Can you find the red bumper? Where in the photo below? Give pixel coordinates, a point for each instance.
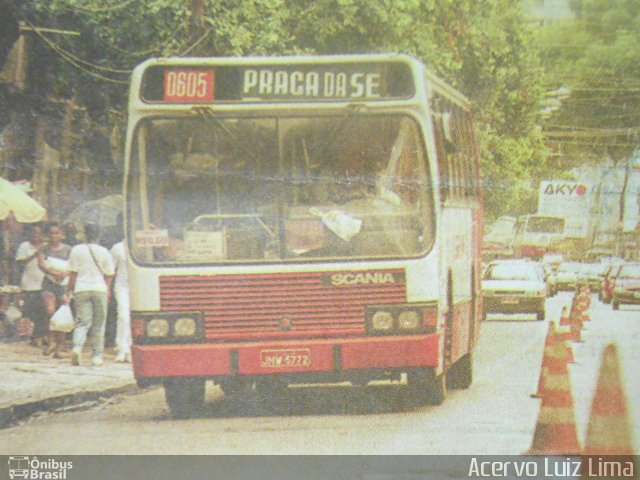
(330, 355)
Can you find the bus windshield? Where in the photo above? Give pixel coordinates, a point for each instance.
(545, 225)
(207, 189)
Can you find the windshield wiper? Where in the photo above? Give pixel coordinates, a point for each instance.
(207, 115)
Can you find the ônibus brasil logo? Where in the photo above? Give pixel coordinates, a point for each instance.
(33, 468)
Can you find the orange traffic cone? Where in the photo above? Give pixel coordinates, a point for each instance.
(548, 341)
(574, 305)
(576, 330)
(608, 431)
(587, 295)
(565, 336)
(565, 319)
(556, 432)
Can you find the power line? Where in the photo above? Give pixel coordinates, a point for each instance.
(569, 45)
(72, 61)
(595, 132)
(598, 89)
(599, 118)
(600, 100)
(614, 79)
(196, 43)
(594, 144)
(88, 64)
(66, 53)
(113, 8)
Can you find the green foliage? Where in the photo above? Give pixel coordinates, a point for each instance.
(485, 49)
(597, 56)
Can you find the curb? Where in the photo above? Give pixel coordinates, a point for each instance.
(12, 414)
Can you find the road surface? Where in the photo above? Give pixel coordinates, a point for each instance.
(495, 416)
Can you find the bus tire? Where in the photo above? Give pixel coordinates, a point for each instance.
(460, 375)
(236, 387)
(541, 314)
(615, 304)
(184, 396)
(427, 387)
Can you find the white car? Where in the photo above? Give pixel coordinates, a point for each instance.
(514, 286)
(567, 275)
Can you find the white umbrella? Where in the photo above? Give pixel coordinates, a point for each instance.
(14, 199)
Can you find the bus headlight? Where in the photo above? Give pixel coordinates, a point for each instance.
(409, 320)
(401, 319)
(157, 328)
(185, 327)
(167, 327)
(382, 321)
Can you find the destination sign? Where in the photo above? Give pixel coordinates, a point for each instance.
(277, 83)
(266, 83)
(188, 86)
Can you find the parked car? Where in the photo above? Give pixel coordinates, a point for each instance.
(567, 275)
(591, 274)
(626, 287)
(497, 242)
(514, 286)
(606, 292)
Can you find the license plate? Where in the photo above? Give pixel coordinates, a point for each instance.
(510, 301)
(299, 357)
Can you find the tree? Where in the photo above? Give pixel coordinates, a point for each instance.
(596, 56)
(485, 49)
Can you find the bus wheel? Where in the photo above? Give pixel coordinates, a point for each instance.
(236, 387)
(540, 314)
(427, 387)
(460, 375)
(184, 396)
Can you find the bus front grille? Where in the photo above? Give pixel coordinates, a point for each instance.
(286, 305)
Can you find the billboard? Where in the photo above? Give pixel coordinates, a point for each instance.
(571, 200)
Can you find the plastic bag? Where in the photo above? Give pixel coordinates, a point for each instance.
(62, 320)
(12, 314)
(58, 266)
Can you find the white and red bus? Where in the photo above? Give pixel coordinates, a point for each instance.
(301, 219)
(536, 235)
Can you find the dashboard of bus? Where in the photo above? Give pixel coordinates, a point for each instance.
(207, 189)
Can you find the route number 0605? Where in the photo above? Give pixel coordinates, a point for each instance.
(188, 85)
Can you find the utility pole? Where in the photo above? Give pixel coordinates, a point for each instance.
(196, 29)
(623, 194)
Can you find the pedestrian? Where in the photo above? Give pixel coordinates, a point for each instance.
(91, 273)
(54, 262)
(31, 281)
(121, 292)
(70, 234)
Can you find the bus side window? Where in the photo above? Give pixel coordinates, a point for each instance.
(444, 166)
(453, 151)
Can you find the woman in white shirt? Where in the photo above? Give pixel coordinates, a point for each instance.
(31, 281)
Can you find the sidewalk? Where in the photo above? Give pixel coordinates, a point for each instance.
(31, 382)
